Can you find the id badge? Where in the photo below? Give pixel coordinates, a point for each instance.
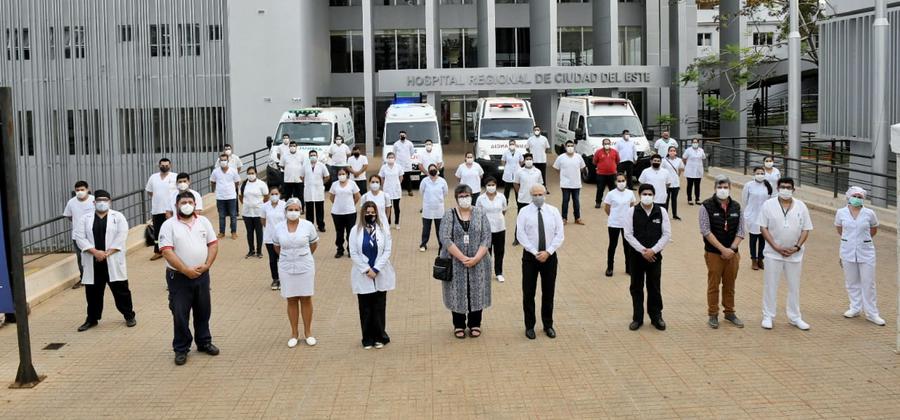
(466, 239)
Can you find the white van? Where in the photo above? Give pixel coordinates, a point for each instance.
(420, 123)
(587, 120)
(316, 128)
(497, 121)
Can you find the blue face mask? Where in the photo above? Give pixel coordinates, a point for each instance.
(313, 159)
(856, 201)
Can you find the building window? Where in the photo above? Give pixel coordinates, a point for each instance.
(18, 44)
(346, 52)
(457, 2)
(344, 2)
(763, 38)
(160, 41)
(459, 48)
(573, 1)
(130, 129)
(513, 46)
(704, 39)
(189, 39)
(399, 49)
(402, 2)
(512, 1)
(631, 46)
(51, 42)
(73, 41)
(84, 125)
(26, 133)
(215, 32)
(575, 46)
(125, 34)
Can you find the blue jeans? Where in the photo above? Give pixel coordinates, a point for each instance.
(227, 208)
(575, 193)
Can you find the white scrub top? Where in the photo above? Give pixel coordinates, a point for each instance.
(343, 197)
(526, 178)
(619, 202)
(511, 164)
(382, 201)
(753, 197)
(785, 228)
(569, 168)
(391, 177)
(494, 209)
(471, 176)
(658, 179)
(296, 265)
(433, 193)
(314, 182)
(293, 166)
(856, 236)
(673, 166)
(253, 195)
(694, 166)
(538, 146)
(274, 216)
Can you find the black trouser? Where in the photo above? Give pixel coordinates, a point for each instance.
(627, 168)
(78, 258)
(315, 213)
(475, 195)
(531, 268)
(693, 185)
(473, 318)
(372, 318)
(158, 220)
(575, 194)
(395, 204)
(614, 234)
(292, 189)
(187, 296)
(757, 246)
(519, 207)
(273, 260)
(543, 168)
(426, 231)
(406, 184)
(498, 249)
(342, 225)
(604, 182)
(363, 186)
(672, 199)
(94, 294)
(254, 234)
(649, 273)
(507, 187)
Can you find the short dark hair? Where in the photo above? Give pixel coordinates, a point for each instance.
(165, 160)
(226, 145)
(102, 194)
(527, 156)
(626, 132)
(183, 175)
(647, 187)
(313, 151)
(292, 143)
(460, 189)
(568, 142)
(489, 179)
(183, 195)
(656, 156)
(355, 147)
(253, 168)
(80, 184)
(274, 188)
(286, 135)
(786, 180)
(402, 132)
(222, 155)
(758, 168)
(429, 141)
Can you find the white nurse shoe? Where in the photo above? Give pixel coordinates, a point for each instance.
(311, 341)
(292, 343)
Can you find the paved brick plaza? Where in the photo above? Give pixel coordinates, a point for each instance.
(595, 368)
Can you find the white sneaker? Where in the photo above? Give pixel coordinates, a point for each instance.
(877, 320)
(500, 278)
(851, 313)
(379, 345)
(397, 227)
(800, 324)
(421, 249)
(767, 323)
(367, 347)
(292, 343)
(311, 341)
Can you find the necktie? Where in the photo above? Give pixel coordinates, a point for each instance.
(542, 237)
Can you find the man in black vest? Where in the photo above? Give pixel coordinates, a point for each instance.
(648, 231)
(722, 230)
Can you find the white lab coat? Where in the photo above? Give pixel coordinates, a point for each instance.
(314, 182)
(116, 235)
(856, 235)
(386, 279)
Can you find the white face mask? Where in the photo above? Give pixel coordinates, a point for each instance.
(429, 148)
(292, 149)
(621, 186)
(722, 193)
(469, 160)
(183, 186)
(695, 145)
(626, 137)
(646, 200)
(81, 194)
(606, 147)
(529, 163)
(512, 148)
(537, 133)
(342, 177)
(101, 206)
(274, 198)
(464, 202)
(759, 177)
(186, 209)
(391, 160)
(223, 163)
(491, 188)
(570, 149)
(286, 141)
(785, 193)
(228, 152)
(338, 142)
(375, 186)
(769, 164)
(293, 215)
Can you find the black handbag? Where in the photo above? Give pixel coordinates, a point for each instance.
(443, 266)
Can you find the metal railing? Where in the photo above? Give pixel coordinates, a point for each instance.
(834, 177)
(54, 235)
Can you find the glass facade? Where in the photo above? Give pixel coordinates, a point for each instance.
(459, 48)
(575, 46)
(513, 46)
(399, 49)
(631, 46)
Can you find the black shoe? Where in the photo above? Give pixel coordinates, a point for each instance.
(597, 206)
(77, 285)
(339, 254)
(249, 254)
(275, 285)
(209, 349)
(259, 255)
(609, 272)
(550, 332)
(690, 203)
(87, 325)
(634, 325)
(180, 358)
(130, 322)
(659, 324)
(676, 218)
(530, 334)
(321, 229)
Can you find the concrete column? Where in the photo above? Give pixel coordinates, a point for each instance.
(487, 37)
(433, 47)
(652, 52)
(368, 35)
(880, 128)
(605, 18)
(731, 32)
(682, 51)
(542, 17)
(794, 127)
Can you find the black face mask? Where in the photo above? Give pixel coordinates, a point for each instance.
(432, 172)
(370, 219)
(164, 169)
(355, 154)
(402, 137)
(655, 165)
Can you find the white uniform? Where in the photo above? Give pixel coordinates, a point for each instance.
(858, 258)
(433, 193)
(753, 197)
(386, 278)
(538, 146)
(493, 209)
(116, 235)
(343, 197)
(314, 182)
(293, 166)
(673, 166)
(296, 265)
(619, 202)
(693, 168)
(404, 151)
(77, 209)
(569, 168)
(198, 202)
(391, 177)
(338, 154)
(512, 161)
(161, 188)
(189, 240)
(225, 183)
(253, 195)
(274, 215)
(381, 200)
(356, 164)
(526, 178)
(785, 228)
(427, 158)
(659, 179)
(662, 146)
(773, 178)
(471, 176)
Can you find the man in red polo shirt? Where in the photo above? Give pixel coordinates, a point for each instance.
(606, 159)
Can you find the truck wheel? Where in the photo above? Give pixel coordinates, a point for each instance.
(591, 176)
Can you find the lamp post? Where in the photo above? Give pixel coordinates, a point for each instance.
(895, 147)
(794, 91)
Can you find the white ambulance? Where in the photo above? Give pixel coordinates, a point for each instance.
(420, 123)
(497, 121)
(316, 128)
(587, 120)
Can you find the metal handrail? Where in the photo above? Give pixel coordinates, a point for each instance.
(57, 241)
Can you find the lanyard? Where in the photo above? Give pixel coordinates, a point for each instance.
(785, 212)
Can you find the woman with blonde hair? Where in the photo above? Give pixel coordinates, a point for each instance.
(372, 274)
